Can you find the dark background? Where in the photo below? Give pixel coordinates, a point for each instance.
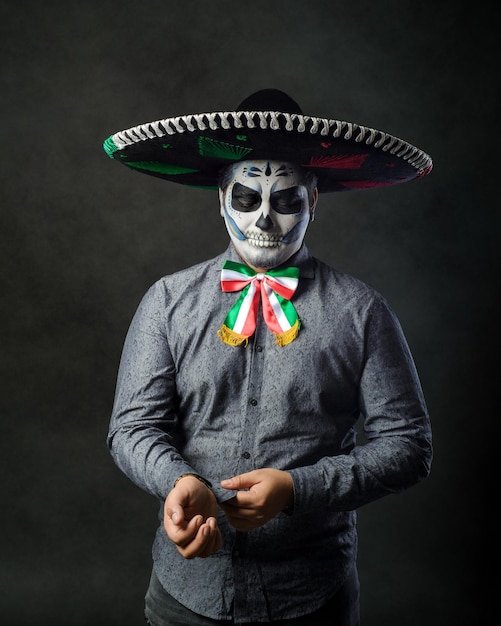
(83, 238)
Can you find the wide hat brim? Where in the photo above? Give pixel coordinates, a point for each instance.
(192, 149)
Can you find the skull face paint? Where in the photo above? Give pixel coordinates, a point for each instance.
(266, 210)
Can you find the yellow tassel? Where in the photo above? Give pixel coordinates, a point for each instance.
(231, 337)
(284, 338)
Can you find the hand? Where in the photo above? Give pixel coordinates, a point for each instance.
(262, 494)
(190, 512)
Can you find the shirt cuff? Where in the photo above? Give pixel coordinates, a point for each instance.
(309, 489)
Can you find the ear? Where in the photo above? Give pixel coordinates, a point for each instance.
(221, 202)
(313, 205)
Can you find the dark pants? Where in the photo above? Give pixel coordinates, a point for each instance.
(341, 610)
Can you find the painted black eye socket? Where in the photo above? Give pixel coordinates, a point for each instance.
(245, 199)
(288, 201)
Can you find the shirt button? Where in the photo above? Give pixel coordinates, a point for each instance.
(259, 348)
(246, 455)
(253, 401)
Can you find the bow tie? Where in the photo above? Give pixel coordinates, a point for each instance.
(274, 288)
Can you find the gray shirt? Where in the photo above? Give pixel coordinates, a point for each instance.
(187, 402)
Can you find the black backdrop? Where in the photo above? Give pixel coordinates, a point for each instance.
(82, 238)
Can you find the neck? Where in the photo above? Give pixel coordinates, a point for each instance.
(261, 269)
(254, 267)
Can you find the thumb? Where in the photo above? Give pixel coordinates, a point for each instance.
(241, 481)
(176, 513)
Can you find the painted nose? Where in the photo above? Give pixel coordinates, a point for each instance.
(264, 222)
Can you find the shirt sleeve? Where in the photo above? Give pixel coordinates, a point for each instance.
(398, 449)
(144, 421)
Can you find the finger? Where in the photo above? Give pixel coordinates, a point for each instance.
(245, 525)
(237, 516)
(214, 539)
(242, 500)
(183, 534)
(200, 545)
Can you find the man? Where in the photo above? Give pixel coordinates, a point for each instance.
(243, 378)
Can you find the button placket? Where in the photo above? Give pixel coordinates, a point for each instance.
(255, 375)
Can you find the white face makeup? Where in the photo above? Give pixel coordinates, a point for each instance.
(266, 210)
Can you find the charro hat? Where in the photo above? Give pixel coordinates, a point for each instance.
(192, 149)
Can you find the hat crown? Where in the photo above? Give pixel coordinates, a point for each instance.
(270, 100)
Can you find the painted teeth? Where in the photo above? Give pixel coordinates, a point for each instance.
(264, 241)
